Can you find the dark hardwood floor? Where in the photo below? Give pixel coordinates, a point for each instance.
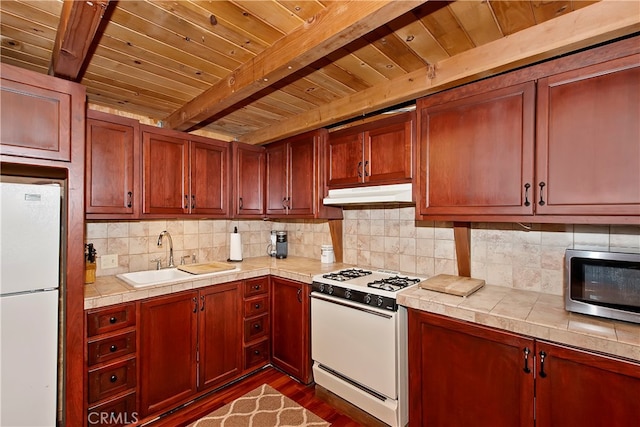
(323, 403)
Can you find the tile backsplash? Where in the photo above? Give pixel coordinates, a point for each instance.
(513, 255)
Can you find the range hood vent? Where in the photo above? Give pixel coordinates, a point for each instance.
(396, 193)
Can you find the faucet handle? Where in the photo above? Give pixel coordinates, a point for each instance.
(158, 262)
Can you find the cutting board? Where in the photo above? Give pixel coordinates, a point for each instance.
(206, 267)
(454, 285)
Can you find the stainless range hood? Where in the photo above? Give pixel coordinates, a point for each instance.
(395, 193)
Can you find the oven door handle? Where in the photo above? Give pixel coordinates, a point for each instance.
(351, 306)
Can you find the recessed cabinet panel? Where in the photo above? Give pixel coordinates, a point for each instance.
(249, 181)
(477, 153)
(589, 140)
(209, 178)
(345, 160)
(302, 181)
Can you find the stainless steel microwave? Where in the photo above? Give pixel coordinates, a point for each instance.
(605, 284)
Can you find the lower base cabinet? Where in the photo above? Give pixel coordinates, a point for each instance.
(290, 328)
(466, 374)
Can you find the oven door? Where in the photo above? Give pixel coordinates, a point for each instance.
(356, 341)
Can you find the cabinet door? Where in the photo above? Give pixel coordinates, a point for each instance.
(168, 343)
(276, 182)
(476, 153)
(588, 149)
(579, 388)
(220, 334)
(209, 178)
(302, 172)
(249, 181)
(345, 161)
(388, 157)
(165, 180)
(112, 168)
(58, 104)
(464, 374)
(290, 344)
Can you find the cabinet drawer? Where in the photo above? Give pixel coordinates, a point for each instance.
(256, 354)
(110, 319)
(112, 379)
(117, 412)
(111, 348)
(256, 327)
(258, 286)
(256, 306)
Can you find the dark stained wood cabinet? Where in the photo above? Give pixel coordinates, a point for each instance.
(184, 174)
(111, 363)
(376, 153)
(290, 328)
(295, 180)
(588, 140)
(190, 342)
(256, 322)
(464, 374)
(248, 181)
(112, 177)
(168, 344)
(476, 151)
(581, 388)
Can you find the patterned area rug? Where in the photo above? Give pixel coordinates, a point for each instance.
(262, 407)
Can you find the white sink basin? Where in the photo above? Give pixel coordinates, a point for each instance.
(140, 279)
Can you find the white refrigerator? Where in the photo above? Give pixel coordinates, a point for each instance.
(29, 315)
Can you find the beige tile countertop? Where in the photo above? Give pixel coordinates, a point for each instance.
(533, 314)
(108, 290)
(528, 313)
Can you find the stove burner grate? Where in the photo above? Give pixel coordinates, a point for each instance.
(348, 274)
(393, 283)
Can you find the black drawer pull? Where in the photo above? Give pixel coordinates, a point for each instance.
(257, 306)
(527, 186)
(113, 348)
(113, 378)
(256, 325)
(256, 352)
(257, 287)
(543, 374)
(113, 320)
(526, 360)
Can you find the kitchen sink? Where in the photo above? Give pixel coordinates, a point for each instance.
(140, 279)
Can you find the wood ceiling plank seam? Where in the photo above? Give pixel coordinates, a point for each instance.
(25, 58)
(513, 16)
(477, 19)
(138, 110)
(52, 8)
(35, 28)
(354, 66)
(35, 14)
(319, 78)
(289, 99)
(303, 9)
(184, 28)
(28, 49)
(447, 30)
(150, 68)
(279, 17)
(495, 18)
(269, 103)
(135, 77)
(373, 58)
(170, 54)
(135, 86)
(27, 65)
(221, 28)
(545, 10)
(423, 42)
(567, 33)
(304, 88)
(345, 77)
(240, 19)
(391, 45)
(316, 37)
(169, 38)
(10, 34)
(260, 116)
(106, 90)
(463, 30)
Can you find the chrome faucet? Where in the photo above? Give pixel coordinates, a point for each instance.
(166, 233)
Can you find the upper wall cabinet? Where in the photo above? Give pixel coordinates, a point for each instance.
(112, 177)
(295, 182)
(248, 181)
(556, 142)
(375, 153)
(59, 104)
(184, 174)
(588, 140)
(476, 151)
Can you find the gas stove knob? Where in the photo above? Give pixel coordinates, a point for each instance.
(321, 287)
(347, 293)
(379, 301)
(367, 298)
(330, 290)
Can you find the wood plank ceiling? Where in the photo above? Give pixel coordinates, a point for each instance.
(256, 71)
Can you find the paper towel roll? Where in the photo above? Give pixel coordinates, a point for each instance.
(235, 247)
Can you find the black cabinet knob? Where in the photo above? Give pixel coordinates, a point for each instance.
(113, 320)
(113, 348)
(113, 378)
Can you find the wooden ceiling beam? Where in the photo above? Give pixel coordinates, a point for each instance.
(582, 28)
(78, 27)
(337, 25)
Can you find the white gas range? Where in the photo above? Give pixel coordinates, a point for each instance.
(359, 339)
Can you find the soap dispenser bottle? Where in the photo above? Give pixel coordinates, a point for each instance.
(90, 263)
